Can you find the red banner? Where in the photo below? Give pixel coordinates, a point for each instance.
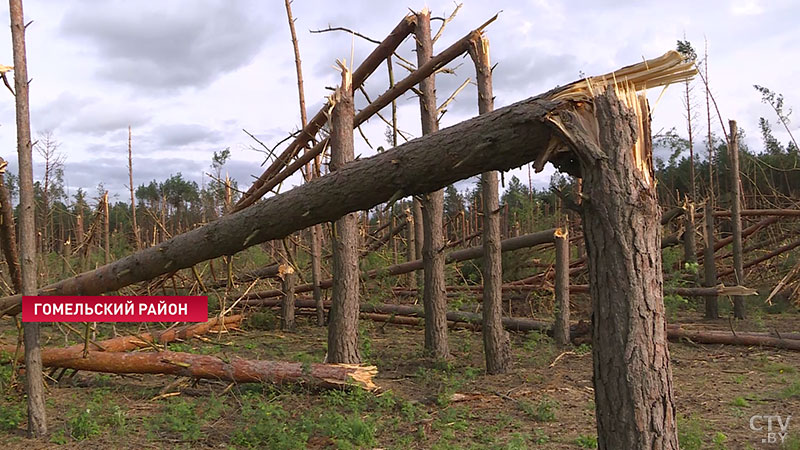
(115, 309)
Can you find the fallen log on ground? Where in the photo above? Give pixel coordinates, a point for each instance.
(210, 367)
(706, 337)
(128, 343)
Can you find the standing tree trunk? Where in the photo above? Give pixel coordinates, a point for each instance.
(133, 199)
(621, 224)
(496, 342)
(709, 267)
(411, 248)
(419, 236)
(287, 305)
(106, 229)
(34, 383)
(343, 320)
(434, 297)
(736, 219)
(310, 172)
(561, 324)
(8, 237)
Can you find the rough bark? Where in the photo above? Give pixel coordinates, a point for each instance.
(8, 232)
(34, 384)
(736, 219)
(287, 305)
(211, 367)
(433, 298)
(561, 289)
(496, 342)
(343, 325)
(621, 224)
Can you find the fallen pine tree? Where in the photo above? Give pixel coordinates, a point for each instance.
(131, 342)
(211, 367)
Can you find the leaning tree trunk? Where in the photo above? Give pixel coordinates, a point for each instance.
(343, 322)
(496, 342)
(34, 383)
(434, 297)
(632, 375)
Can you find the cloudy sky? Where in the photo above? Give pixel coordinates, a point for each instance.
(188, 76)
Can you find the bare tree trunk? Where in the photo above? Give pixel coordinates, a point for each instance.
(561, 324)
(133, 199)
(709, 267)
(411, 248)
(419, 236)
(434, 296)
(343, 320)
(736, 219)
(316, 243)
(496, 342)
(34, 384)
(287, 306)
(8, 236)
(621, 223)
(106, 230)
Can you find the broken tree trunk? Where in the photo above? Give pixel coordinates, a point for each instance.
(343, 321)
(287, 304)
(503, 139)
(434, 297)
(736, 219)
(622, 231)
(561, 289)
(34, 384)
(496, 342)
(211, 367)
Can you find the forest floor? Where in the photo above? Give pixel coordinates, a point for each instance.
(546, 402)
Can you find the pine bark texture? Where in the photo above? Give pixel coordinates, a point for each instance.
(34, 383)
(343, 324)
(496, 342)
(621, 224)
(211, 367)
(434, 297)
